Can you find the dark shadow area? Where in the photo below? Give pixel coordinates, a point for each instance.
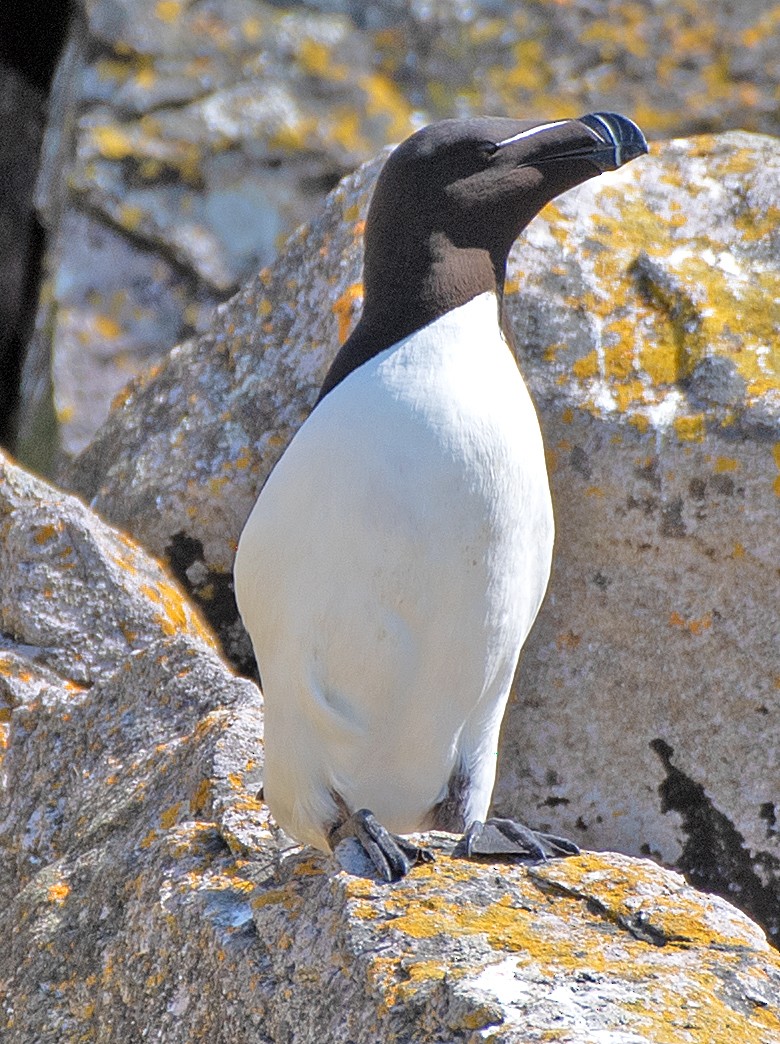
(715, 857)
(32, 36)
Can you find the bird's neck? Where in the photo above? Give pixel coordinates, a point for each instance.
(411, 292)
(418, 288)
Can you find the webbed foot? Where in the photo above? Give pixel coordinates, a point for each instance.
(392, 856)
(505, 837)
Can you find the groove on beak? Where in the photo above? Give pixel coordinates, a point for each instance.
(624, 141)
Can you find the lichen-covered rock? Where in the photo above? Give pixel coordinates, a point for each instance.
(594, 948)
(144, 893)
(129, 758)
(194, 139)
(648, 708)
(199, 433)
(194, 136)
(646, 307)
(104, 668)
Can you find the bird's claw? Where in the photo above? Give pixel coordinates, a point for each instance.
(391, 856)
(506, 837)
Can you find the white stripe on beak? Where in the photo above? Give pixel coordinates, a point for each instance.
(530, 132)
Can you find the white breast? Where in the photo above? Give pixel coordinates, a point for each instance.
(389, 574)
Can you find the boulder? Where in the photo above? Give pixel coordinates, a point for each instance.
(199, 433)
(186, 140)
(647, 714)
(144, 892)
(192, 142)
(123, 737)
(645, 307)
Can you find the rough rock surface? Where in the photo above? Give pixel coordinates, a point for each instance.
(143, 894)
(646, 305)
(123, 739)
(187, 137)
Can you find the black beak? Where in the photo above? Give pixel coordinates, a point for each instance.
(620, 137)
(614, 141)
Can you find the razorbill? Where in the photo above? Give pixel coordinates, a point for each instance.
(398, 553)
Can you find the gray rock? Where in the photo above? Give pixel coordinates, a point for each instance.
(647, 715)
(124, 738)
(715, 382)
(193, 137)
(145, 894)
(227, 403)
(661, 615)
(191, 143)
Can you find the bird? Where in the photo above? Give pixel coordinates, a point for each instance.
(398, 553)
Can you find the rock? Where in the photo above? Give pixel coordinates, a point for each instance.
(124, 736)
(647, 713)
(230, 401)
(646, 306)
(195, 138)
(182, 175)
(103, 667)
(143, 888)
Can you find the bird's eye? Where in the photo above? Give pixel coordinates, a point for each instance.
(487, 149)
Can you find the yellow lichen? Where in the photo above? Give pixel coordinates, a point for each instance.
(295, 135)
(383, 98)
(130, 217)
(65, 413)
(344, 307)
(111, 142)
(252, 29)
(146, 77)
(170, 815)
(168, 10)
(690, 428)
(726, 464)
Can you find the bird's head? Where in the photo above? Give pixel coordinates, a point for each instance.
(472, 186)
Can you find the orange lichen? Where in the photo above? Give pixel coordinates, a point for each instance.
(46, 533)
(58, 892)
(344, 308)
(693, 626)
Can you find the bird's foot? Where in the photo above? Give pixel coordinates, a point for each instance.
(507, 838)
(390, 855)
